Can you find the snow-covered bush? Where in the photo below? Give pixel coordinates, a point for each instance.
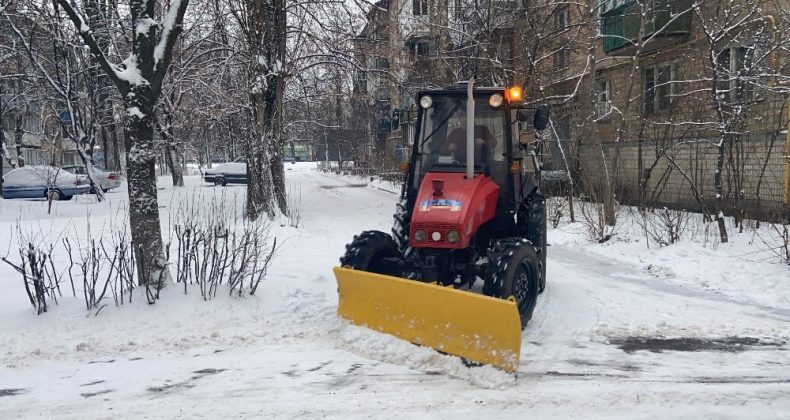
(295, 206)
(594, 221)
(41, 280)
(777, 239)
(555, 210)
(663, 226)
(214, 247)
(106, 264)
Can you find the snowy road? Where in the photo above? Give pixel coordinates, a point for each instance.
(607, 339)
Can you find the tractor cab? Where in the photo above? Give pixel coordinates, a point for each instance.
(470, 137)
(441, 144)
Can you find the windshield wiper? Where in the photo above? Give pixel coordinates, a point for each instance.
(441, 124)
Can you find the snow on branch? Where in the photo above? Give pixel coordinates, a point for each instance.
(170, 27)
(86, 35)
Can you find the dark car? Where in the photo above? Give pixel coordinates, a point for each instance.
(227, 173)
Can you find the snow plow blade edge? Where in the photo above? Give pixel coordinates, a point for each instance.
(475, 327)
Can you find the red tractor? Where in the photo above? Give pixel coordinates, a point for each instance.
(470, 210)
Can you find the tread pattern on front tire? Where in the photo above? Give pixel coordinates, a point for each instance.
(531, 222)
(367, 250)
(503, 260)
(400, 228)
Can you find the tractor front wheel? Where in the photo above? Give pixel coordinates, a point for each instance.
(515, 271)
(372, 251)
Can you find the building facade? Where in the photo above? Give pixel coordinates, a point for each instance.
(677, 105)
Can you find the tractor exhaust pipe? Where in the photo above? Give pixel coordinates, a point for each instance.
(470, 129)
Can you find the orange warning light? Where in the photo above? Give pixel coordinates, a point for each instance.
(514, 94)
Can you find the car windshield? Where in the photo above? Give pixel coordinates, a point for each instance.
(443, 137)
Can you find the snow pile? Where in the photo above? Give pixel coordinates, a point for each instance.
(389, 349)
(742, 270)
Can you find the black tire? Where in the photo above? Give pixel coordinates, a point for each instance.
(400, 229)
(514, 270)
(220, 182)
(532, 213)
(368, 251)
(54, 195)
(543, 251)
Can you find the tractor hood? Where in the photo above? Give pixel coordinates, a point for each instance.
(448, 202)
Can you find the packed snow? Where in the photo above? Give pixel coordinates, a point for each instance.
(694, 329)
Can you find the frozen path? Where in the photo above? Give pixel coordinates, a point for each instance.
(596, 346)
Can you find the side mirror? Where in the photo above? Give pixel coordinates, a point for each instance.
(540, 119)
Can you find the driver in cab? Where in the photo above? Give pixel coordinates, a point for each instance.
(455, 145)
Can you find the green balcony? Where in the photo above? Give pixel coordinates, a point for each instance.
(666, 23)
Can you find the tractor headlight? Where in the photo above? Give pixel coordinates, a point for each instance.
(420, 235)
(495, 100)
(426, 102)
(453, 237)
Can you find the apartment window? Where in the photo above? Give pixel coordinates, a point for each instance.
(419, 7)
(382, 63)
(30, 124)
(608, 5)
(562, 18)
(69, 158)
(422, 48)
(562, 59)
(362, 80)
(658, 88)
(737, 73)
(383, 89)
(459, 11)
(384, 108)
(603, 104)
(374, 29)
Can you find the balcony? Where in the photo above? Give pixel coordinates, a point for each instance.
(667, 23)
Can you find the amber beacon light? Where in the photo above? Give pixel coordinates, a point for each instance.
(514, 94)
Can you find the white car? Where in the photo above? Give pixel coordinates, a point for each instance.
(107, 180)
(34, 181)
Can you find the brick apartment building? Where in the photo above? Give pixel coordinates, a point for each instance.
(669, 84)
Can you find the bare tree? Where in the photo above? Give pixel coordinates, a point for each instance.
(139, 80)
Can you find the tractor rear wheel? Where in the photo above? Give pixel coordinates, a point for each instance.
(515, 271)
(372, 251)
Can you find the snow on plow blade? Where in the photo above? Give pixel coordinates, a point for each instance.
(478, 328)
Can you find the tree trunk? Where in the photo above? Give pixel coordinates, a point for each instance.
(259, 175)
(265, 174)
(720, 191)
(143, 207)
(173, 164)
(116, 147)
(604, 183)
(18, 161)
(105, 148)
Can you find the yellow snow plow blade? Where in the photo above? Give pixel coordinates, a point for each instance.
(478, 328)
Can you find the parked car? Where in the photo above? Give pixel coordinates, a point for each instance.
(107, 180)
(42, 182)
(227, 173)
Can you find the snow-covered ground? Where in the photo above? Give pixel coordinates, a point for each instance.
(621, 331)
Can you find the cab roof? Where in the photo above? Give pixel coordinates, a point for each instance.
(460, 88)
